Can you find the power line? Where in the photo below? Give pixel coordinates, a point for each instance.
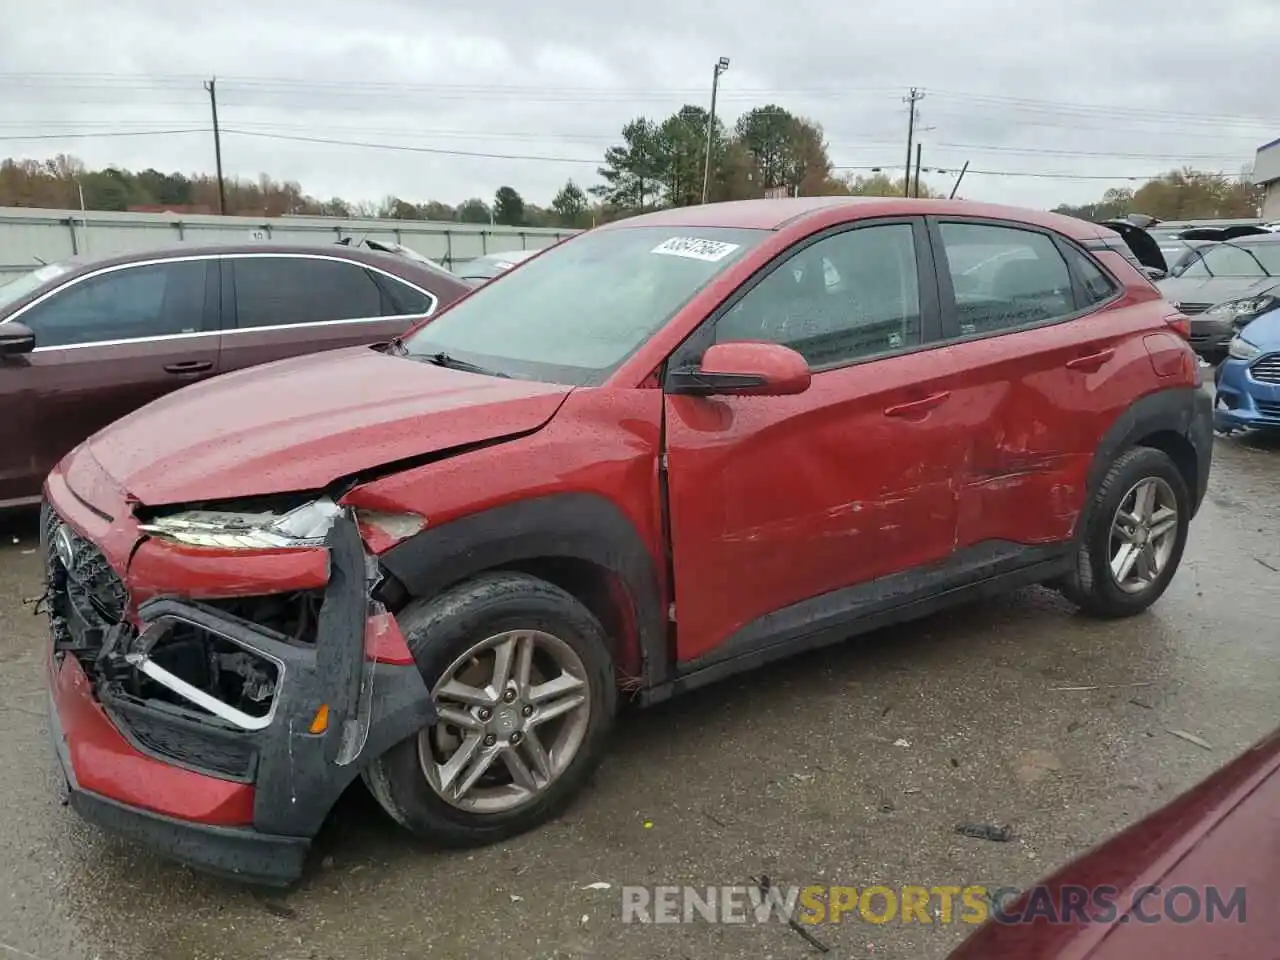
(105, 133)
(1100, 109)
(848, 141)
(243, 127)
(1046, 151)
(877, 168)
(599, 162)
(72, 81)
(409, 148)
(441, 151)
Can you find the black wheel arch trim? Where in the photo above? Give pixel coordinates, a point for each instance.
(1185, 411)
(580, 526)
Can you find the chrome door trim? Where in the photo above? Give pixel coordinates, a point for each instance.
(113, 268)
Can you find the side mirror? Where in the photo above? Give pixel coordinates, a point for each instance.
(16, 338)
(1154, 273)
(744, 368)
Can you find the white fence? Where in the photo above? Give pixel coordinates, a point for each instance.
(29, 237)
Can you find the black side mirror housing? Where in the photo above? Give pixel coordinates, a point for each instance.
(16, 338)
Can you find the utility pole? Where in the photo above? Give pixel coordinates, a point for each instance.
(917, 187)
(915, 97)
(211, 85)
(721, 66)
(958, 179)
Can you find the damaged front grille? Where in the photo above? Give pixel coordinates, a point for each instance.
(92, 586)
(190, 690)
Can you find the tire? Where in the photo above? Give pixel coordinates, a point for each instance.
(441, 630)
(1092, 585)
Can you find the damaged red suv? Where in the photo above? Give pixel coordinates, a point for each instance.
(666, 450)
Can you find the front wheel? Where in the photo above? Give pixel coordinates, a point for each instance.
(1133, 537)
(523, 684)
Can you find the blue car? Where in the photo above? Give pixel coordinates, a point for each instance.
(1248, 381)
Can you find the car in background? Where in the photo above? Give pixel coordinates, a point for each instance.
(1196, 879)
(1219, 283)
(669, 449)
(1248, 381)
(1145, 252)
(1177, 249)
(387, 246)
(87, 340)
(484, 268)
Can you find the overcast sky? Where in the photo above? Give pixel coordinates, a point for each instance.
(1098, 89)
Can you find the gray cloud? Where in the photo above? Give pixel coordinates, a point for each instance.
(1010, 86)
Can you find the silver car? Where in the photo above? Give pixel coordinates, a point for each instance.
(483, 269)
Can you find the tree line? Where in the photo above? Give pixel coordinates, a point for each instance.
(65, 183)
(655, 163)
(1184, 194)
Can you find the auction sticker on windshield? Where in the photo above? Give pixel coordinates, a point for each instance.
(694, 249)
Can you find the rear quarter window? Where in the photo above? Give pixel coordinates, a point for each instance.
(1098, 287)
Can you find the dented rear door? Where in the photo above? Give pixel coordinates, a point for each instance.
(1046, 351)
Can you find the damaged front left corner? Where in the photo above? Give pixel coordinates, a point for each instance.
(307, 525)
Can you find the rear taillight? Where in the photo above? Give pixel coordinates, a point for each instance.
(1180, 323)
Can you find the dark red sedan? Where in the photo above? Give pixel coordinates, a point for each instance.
(1195, 880)
(85, 341)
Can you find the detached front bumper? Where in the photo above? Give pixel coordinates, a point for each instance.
(140, 783)
(154, 756)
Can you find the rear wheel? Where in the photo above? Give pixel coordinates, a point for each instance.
(1133, 536)
(523, 683)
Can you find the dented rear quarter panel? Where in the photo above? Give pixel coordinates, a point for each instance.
(1026, 481)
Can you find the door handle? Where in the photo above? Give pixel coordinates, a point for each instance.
(189, 366)
(1092, 362)
(918, 408)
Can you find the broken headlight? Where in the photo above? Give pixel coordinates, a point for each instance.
(304, 526)
(1244, 307)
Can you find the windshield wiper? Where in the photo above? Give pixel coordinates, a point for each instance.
(453, 363)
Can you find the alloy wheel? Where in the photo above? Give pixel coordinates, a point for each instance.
(1144, 533)
(513, 711)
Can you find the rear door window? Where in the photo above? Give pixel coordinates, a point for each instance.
(1005, 278)
(276, 291)
(131, 303)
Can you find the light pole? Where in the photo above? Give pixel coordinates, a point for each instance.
(721, 66)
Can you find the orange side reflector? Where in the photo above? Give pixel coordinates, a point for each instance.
(320, 722)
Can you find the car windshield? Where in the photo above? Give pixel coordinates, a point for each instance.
(576, 313)
(26, 283)
(1229, 259)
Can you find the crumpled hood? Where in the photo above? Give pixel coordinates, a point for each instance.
(1212, 290)
(301, 423)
